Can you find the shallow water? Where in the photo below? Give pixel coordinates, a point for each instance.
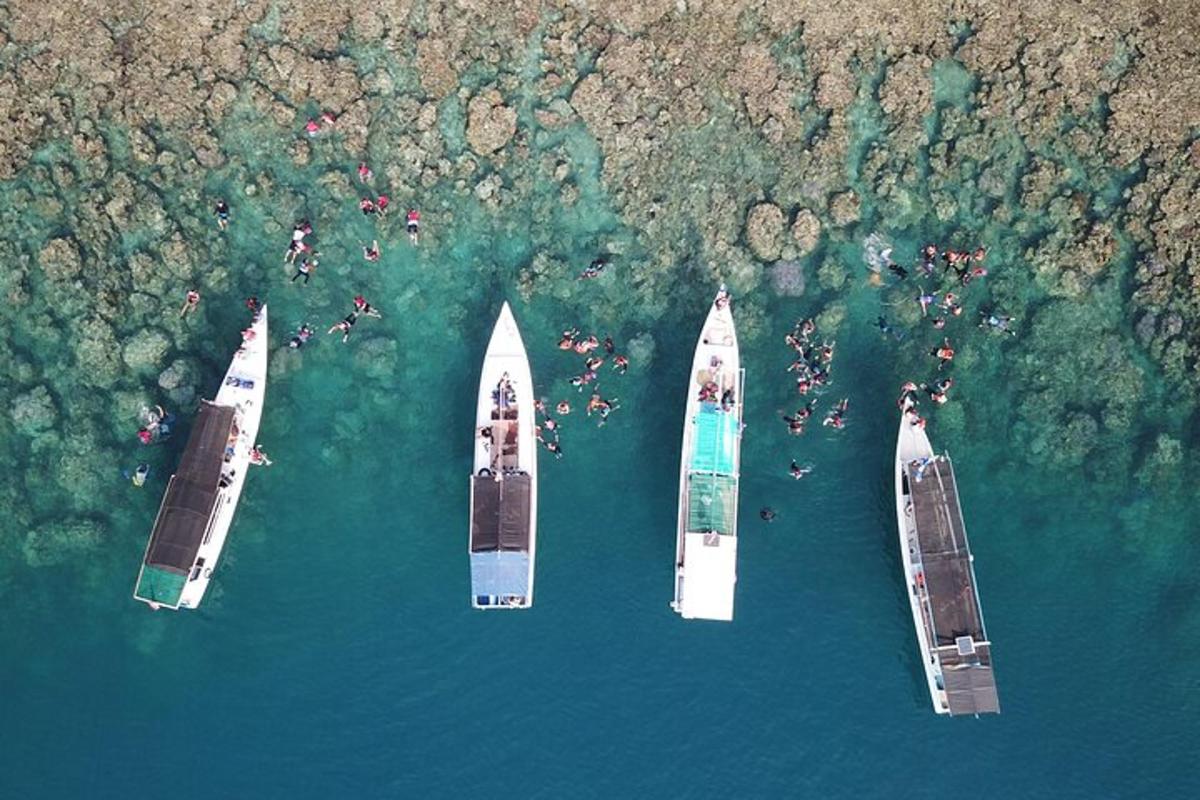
(336, 653)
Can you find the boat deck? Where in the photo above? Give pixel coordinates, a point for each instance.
(949, 587)
(500, 513)
(188, 504)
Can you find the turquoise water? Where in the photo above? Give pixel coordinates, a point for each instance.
(336, 653)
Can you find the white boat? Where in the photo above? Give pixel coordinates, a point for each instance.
(706, 549)
(939, 572)
(503, 536)
(202, 496)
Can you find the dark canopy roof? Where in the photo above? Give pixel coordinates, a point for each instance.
(192, 492)
(500, 514)
(971, 690)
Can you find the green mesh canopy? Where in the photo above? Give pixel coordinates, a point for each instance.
(711, 503)
(714, 440)
(160, 585)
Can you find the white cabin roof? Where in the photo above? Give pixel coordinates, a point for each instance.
(709, 575)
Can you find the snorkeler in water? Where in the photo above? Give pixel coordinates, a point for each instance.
(191, 300)
(361, 306)
(371, 253)
(945, 353)
(303, 335)
(620, 364)
(798, 471)
(766, 514)
(926, 299)
(997, 322)
(345, 325)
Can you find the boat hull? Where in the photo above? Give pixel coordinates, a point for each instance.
(506, 356)
(244, 389)
(706, 538)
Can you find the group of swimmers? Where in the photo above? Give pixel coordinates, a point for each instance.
(812, 362)
(587, 346)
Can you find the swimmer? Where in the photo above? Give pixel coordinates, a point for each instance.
(795, 424)
(258, 457)
(381, 205)
(567, 341)
(366, 206)
(304, 269)
(345, 325)
(252, 304)
(609, 346)
(804, 329)
(361, 306)
(620, 364)
(766, 514)
(554, 447)
(364, 172)
(563, 408)
(312, 127)
(938, 322)
(798, 471)
(593, 363)
(191, 300)
(303, 335)
(371, 253)
(836, 418)
(552, 426)
(593, 270)
(897, 270)
(329, 118)
(979, 254)
(413, 223)
(594, 403)
(926, 299)
(884, 327)
(222, 212)
(944, 354)
(938, 392)
(997, 322)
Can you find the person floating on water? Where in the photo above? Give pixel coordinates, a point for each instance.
(190, 301)
(798, 471)
(766, 514)
(140, 474)
(222, 212)
(297, 246)
(938, 392)
(366, 206)
(563, 408)
(836, 418)
(361, 306)
(997, 322)
(926, 299)
(371, 253)
(568, 339)
(594, 269)
(594, 363)
(258, 457)
(303, 335)
(620, 364)
(364, 172)
(413, 223)
(345, 325)
(304, 269)
(945, 353)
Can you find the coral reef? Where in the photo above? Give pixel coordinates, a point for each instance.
(689, 142)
